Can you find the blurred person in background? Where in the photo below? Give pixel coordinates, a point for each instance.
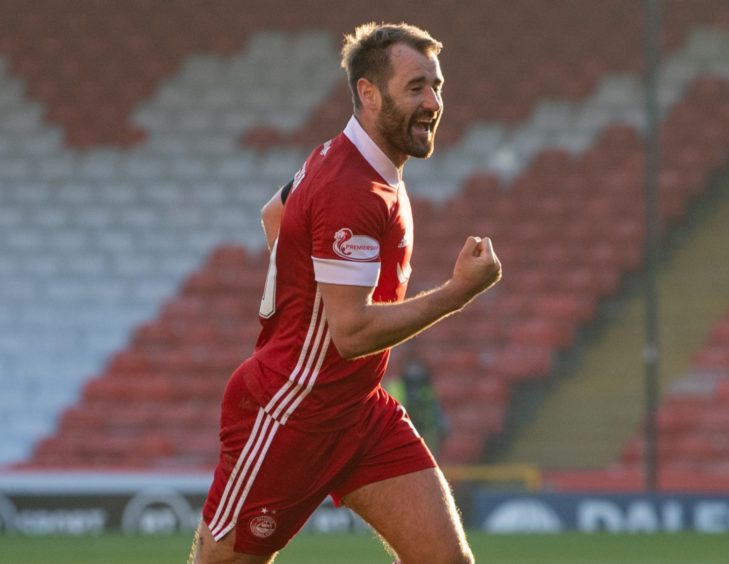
(305, 417)
(413, 388)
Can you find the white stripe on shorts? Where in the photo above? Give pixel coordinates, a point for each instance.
(243, 475)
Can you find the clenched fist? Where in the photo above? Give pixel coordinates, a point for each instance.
(477, 267)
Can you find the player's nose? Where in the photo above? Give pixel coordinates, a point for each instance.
(432, 101)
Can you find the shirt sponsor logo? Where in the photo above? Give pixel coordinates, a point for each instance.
(359, 248)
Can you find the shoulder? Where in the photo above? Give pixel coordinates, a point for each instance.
(344, 162)
(339, 169)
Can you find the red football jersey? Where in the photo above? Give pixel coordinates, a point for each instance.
(347, 220)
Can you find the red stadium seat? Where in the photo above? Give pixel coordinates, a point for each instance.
(554, 332)
(461, 447)
(522, 362)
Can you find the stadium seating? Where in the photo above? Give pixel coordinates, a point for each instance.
(692, 419)
(158, 398)
(131, 248)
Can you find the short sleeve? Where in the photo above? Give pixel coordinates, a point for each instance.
(286, 190)
(348, 224)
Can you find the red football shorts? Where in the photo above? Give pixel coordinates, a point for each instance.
(270, 477)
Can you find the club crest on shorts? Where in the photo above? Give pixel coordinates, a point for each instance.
(360, 248)
(263, 526)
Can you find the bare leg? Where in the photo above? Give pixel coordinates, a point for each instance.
(416, 515)
(193, 558)
(206, 550)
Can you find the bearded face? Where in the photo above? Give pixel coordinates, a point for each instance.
(410, 132)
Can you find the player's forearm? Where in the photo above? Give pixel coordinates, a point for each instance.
(384, 325)
(358, 327)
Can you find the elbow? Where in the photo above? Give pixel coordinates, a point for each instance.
(348, 348)
(346, 351)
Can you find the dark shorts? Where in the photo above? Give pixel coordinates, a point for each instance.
(271, 477)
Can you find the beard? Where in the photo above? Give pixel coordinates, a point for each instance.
(397, 129)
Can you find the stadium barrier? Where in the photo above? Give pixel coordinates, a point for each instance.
(76, 503)
(79, 503)
(591, 513)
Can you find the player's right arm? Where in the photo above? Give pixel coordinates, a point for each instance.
(360, 327)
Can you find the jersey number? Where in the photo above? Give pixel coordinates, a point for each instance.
(268, 300)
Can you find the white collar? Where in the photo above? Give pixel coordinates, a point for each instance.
(372, 153)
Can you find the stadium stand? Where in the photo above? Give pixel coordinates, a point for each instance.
(155, 403)
(692, 418)
(693, 446)
(115, 190)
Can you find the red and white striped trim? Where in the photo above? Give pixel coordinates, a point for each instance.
(269, 419)
(306, 371)
(243, 475)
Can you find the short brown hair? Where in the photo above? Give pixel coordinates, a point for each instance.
(366, 53)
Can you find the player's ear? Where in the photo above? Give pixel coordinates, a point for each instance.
(369, 94)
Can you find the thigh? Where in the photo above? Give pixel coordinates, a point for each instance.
(388, 446)
(264, 496)
(417, 516)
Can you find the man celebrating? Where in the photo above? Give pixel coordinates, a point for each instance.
(305, 417)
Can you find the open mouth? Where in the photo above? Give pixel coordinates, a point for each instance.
(423, 126)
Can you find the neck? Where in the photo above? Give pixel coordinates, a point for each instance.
(369, 124)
